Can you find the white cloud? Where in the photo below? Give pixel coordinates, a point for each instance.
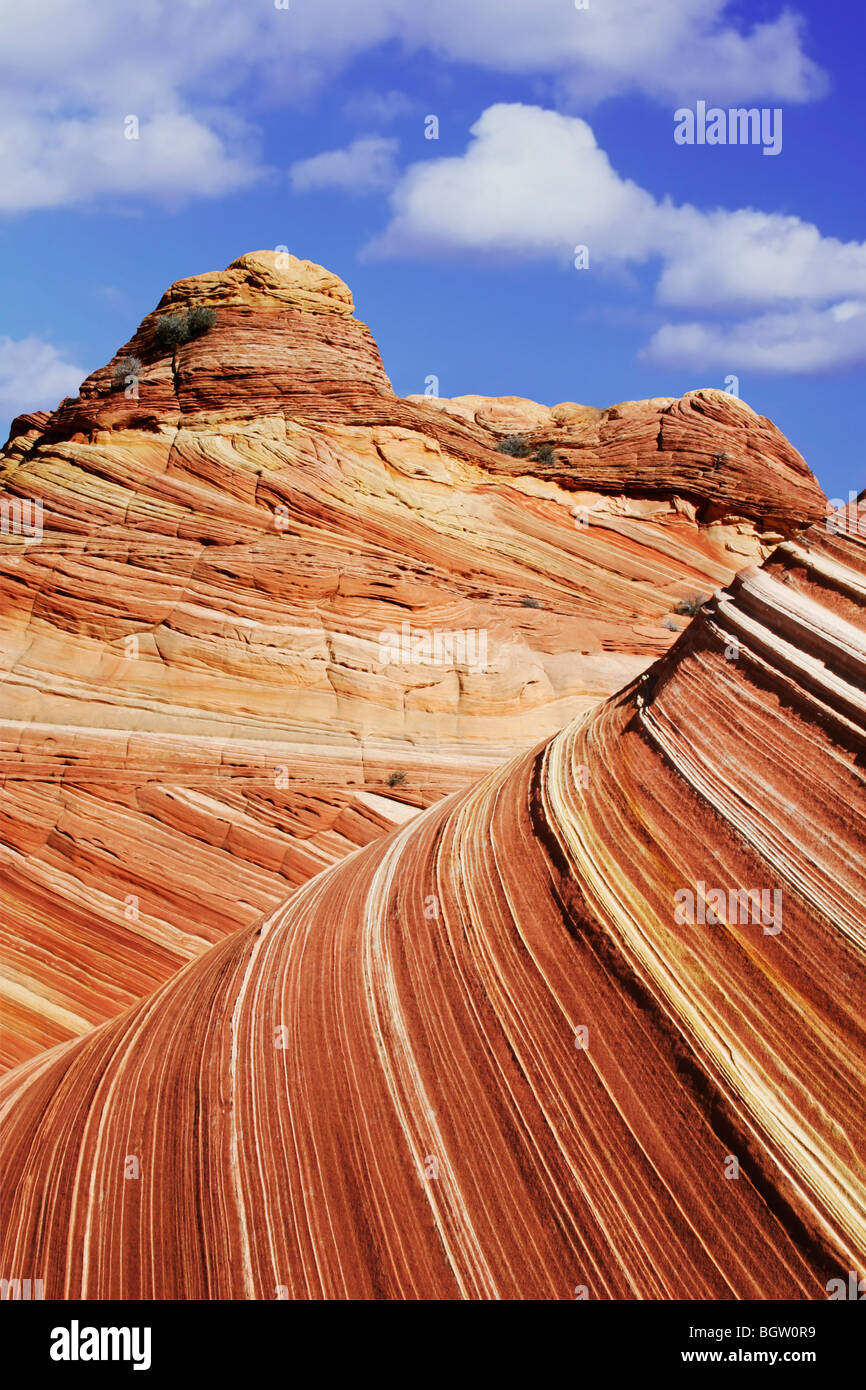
(531, 182)
(365, 166)
(683, 50)
(34, 376)
(668, 49)
(534, 183)
(720, 258)
(804, 340)
(70, 73)
(175, 157)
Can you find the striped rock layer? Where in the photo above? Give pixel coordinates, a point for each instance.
(485, 1057)
(209, 691)
(199, 711)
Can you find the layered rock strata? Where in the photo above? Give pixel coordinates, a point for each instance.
(218, 660)
(508, 1051)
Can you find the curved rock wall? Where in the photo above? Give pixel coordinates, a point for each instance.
(490, 1056)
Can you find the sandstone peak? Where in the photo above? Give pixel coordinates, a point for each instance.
(283, 339)
(262, 280)
(284, 342)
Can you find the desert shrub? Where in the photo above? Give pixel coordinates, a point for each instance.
(690, 604)
(170, 331)
(544, 454)
(173, 329)
(721, 458)
(528, 602)
(396, 779)
(199, 320)
(515, 445)
(671, 625)
(125, 367)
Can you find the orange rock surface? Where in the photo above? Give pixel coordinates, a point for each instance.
(210, 690)
(486, 1057)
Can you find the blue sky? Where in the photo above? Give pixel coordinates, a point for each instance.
(305, 127)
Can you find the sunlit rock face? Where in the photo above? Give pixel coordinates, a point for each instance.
(273, 611)
(595, 1027)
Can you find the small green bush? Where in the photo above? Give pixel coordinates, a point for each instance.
(170, 331)
(125, 367)
(396, 779)
(528, 602)
(199, 320)
(173, 329)
(545, 454)
(690, 604)
(515, 445)
(721, 458)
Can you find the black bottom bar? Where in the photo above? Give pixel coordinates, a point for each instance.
(656, 1340)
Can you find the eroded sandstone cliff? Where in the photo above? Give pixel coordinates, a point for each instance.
(209, 693)
(490, 1056)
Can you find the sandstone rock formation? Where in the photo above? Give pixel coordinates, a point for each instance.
(202, 705)
(487, 1057)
